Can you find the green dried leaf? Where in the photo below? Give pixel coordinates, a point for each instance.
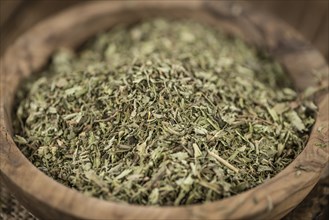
(295, 120)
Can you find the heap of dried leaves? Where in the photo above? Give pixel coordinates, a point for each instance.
(165, 113)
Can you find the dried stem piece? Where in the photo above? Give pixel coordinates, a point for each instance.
(224, 162)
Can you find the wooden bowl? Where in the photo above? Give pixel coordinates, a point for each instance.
(47, 198)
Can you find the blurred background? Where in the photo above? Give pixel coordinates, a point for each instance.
(309, 17)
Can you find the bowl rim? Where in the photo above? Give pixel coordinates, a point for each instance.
(267, 199)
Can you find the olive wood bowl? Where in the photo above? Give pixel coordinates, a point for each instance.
(48, 199)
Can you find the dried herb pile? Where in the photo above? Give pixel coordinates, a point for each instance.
(162, 112)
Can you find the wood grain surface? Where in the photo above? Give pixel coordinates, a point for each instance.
(47, 198)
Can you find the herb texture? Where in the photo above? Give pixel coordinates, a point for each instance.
(162, 113)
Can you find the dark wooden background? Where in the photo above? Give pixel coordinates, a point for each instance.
(309, 17)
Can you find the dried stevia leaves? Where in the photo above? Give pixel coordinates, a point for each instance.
(162, 113)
